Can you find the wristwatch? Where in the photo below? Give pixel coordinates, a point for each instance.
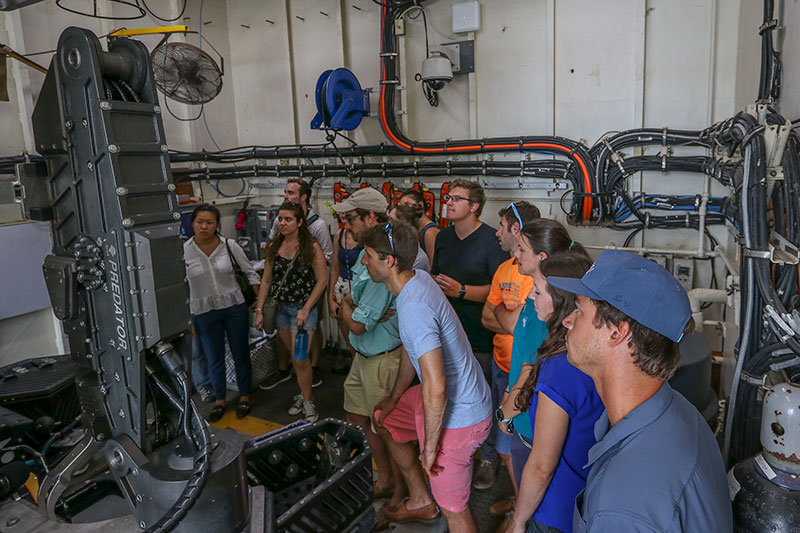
(498, 415)
(462, 291)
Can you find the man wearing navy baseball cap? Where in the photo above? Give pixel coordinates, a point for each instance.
(656, 465)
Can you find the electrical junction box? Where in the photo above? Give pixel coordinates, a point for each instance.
(466, 17)
(683, 270)
(257, 226)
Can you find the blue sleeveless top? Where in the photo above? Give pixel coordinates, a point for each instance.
(428, 226)
(347, 257)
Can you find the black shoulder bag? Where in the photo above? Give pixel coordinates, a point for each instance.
(249, 294)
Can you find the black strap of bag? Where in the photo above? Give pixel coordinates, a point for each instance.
(249, 294)
(285, 275)
(270, 307)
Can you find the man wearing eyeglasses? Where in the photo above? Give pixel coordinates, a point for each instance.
(449, 413)
(465, 258)
(374, 336)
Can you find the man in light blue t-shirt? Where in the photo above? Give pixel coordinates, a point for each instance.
(449, 413)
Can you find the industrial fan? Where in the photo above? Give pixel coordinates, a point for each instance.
(186, 73)
(341, 103)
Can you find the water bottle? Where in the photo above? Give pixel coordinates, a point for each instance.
(301, 344)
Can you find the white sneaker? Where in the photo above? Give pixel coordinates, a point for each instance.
(297, 406)
(310, 412)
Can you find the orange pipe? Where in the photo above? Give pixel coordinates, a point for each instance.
(587, 204)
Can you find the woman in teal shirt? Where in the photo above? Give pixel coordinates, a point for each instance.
(537, 241)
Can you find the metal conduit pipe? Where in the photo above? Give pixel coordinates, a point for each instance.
(661, 251)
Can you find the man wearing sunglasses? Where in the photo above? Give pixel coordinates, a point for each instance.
(500, 312)
(368, 312)
(449, 413)
(465, 259)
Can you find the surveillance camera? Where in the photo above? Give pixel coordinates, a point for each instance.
(437, 71)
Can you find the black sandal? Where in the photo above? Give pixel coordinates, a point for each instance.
(243, 409)
(216, 413)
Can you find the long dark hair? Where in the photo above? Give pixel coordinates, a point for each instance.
(419, 199)
(550, 236)
(305, 252)
(568, 265)
(409, 215)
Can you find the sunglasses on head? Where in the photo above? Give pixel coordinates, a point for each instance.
(388, 229)
(513, 208)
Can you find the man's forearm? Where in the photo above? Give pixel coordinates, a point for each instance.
(355, 327)
(434, 401)
(507, 318)
(405, 376)
(477, 293)
(488, 319)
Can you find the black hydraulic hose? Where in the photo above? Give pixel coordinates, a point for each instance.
(286, 152)
(699, 164)
(164, 389)
(187, 421)
(769, 77)
(766, 53)
(791, 187)
(197, 480)
(548, 169)
(607, 147)
(202, 465)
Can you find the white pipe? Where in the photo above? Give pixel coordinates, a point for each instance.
(697, 297)
(732, 269)
(663, 251)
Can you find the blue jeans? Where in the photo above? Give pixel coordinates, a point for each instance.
(199, 364)
(497, 440)
(286, 316)
(212, 328)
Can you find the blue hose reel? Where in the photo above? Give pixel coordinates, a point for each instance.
(341, 103)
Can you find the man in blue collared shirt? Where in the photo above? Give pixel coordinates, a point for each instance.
(656, 465)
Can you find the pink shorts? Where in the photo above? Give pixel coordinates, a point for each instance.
(451, 487)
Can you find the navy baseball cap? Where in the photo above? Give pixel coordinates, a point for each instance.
(638, 287)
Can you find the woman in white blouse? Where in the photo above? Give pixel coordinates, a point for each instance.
(217, 305)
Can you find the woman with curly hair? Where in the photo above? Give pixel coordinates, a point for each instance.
(563, 406)
(295, 274)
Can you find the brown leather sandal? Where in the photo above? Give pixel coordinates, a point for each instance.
(403, 513)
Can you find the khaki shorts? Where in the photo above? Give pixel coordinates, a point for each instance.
(370, 380)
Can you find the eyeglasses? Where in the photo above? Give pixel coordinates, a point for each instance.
(388, 229)
(348, 218)
(455, 199)
(513, 207)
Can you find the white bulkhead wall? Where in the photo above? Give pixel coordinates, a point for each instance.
(572, 68)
